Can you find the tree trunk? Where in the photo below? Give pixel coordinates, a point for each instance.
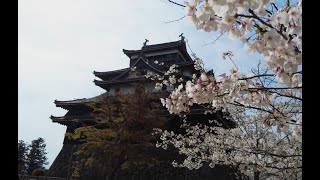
(256, 175)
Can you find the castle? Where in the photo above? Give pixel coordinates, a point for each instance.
(150, 59)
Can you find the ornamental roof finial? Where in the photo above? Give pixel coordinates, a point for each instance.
(182, 37)
(145, 42)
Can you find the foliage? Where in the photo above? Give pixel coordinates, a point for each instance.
(266, 105)
(121, 120)
(32, 156)
(23, 149)
(36, 157)
(39, 172)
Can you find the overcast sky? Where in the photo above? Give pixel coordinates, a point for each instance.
(61, 42)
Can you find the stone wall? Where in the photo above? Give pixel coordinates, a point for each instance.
(138, 162)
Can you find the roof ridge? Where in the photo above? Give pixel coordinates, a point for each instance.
(107, 72)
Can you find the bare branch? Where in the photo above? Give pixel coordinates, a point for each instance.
(269, 25)
(214, 40)
(294, 97)
(243, 15)
(274, 5)
(262, 75)
(193, 54)
(177, 3)
(250, 107)
(175, 20)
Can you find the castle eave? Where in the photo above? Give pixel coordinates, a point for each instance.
(106, 74)
(65, 120)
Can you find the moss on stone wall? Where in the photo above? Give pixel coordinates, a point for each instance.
(120, 146)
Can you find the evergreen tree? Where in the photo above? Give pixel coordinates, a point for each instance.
(36, 158)
(22, 155)
(22, 150)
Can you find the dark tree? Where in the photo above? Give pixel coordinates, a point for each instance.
(22, 150)
(36, 158)
(22, 155)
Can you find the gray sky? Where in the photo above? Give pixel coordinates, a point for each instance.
(61, 42)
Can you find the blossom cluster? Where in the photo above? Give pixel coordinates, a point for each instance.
(273, 32)
(266, 105)
(251, 148)
(276, 34)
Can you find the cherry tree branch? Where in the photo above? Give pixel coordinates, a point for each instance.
(289, 96)
(269, 25)
(265, 75)
(177, 3)
(214, 40)
(175, 20)
(266, 88)
(243, 15)
(257, 76)
(250, 107)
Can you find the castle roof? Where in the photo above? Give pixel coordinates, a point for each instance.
(140, 60)
(179, 45)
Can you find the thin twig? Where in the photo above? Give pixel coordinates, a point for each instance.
(250, 107)
(269, 25)
(243, 15)
(233, 62)
(262, 75)
(177, 3)
(265, 88)
(289, 96)
(190, 48)
(214, 40)
(175, 20)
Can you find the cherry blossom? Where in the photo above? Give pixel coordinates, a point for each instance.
(265, 105)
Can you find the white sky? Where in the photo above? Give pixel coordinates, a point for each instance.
(61, 42)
